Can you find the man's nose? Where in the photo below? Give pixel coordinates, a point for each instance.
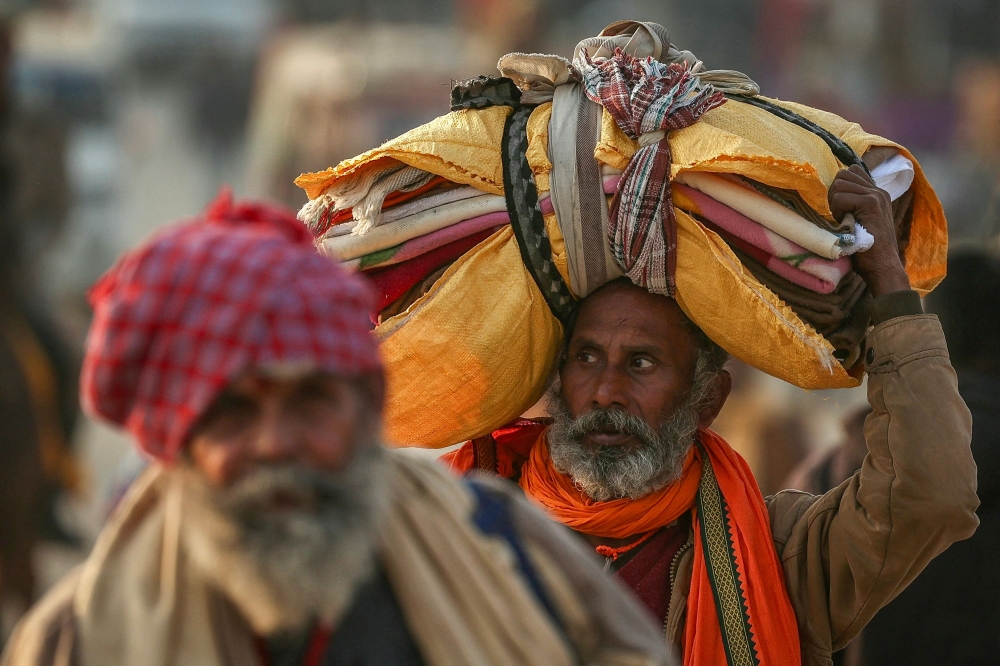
(611, 389)
(276, 439)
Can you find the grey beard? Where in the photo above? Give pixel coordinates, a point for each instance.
(612, 472)
(283, 568)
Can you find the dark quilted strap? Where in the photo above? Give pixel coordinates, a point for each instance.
(484, 451)
(526, 216)
(483, 92)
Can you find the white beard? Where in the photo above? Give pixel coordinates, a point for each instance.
(609, 472)
(283, 568)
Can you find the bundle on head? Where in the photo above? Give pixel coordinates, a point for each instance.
(483, 228)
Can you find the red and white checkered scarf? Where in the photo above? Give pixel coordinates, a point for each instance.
(643, 96)
(180, 316)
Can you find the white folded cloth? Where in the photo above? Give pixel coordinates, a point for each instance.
(895, 175)
(779, 219)
(411, 207)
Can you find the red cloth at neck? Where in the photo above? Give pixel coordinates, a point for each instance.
(648, 572)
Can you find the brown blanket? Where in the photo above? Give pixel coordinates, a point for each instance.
(842, 317)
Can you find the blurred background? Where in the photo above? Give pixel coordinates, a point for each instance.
(118, 116)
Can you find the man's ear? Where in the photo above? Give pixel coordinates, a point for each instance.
(723, 386)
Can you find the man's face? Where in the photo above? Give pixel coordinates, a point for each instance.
(634, 392)
(630, 351)
(284, 493)
(312, 420)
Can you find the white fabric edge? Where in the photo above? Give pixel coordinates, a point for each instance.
(387, 235)
(895, 175)
(765, 211)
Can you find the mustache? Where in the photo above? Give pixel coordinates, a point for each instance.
(608, 472)
(294, 485)
(602, 420)
(287, 542)
(272, 493)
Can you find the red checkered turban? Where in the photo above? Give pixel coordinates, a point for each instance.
(178, 317)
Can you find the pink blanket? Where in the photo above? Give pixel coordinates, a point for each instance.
(435, 239)
(426, 243)
(783, 257)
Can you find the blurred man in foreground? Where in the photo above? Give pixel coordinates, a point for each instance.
(272, 527)
(951, 612)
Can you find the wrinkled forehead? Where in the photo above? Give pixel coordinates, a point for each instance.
(287, 378)
(621, 310)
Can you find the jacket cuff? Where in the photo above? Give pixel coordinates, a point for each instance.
(895, 304)
(902, 340)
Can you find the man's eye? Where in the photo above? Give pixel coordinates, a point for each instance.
(642, 363)
(586, 357)
(310, 394)
(230, 419)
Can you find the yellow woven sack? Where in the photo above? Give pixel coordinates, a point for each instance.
(473, 353)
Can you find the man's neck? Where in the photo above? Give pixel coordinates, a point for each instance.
(618, 552)
(610, 542)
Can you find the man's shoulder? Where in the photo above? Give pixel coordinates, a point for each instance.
(501, 452)
(44, 636)
(785, 510)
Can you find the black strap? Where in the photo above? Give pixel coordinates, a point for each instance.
(483, 92)
(526, 216)
(840, 149)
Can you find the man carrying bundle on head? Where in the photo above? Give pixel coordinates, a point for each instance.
(736, 225)
(272, 527)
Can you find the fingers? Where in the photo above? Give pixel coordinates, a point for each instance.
(855, 176)
(850, 187)
(856, 172)
(853, 191)
(866, 204)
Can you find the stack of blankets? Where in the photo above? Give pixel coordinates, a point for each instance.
(402, 227)
(794, 251)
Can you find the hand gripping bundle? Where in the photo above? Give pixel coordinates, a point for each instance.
(483, 228)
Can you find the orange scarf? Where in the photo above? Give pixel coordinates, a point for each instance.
(617, 519)
(768, 610)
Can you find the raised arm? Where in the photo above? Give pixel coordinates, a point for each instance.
(849, 552)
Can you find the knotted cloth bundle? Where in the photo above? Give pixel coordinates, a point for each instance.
(646, 98)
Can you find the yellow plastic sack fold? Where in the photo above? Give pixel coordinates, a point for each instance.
(744, 317)
(473, 353)
(462, 146)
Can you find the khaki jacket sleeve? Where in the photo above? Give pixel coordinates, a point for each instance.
(849, 552)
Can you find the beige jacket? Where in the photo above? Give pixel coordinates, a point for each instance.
(139, 599)
(849, 552)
